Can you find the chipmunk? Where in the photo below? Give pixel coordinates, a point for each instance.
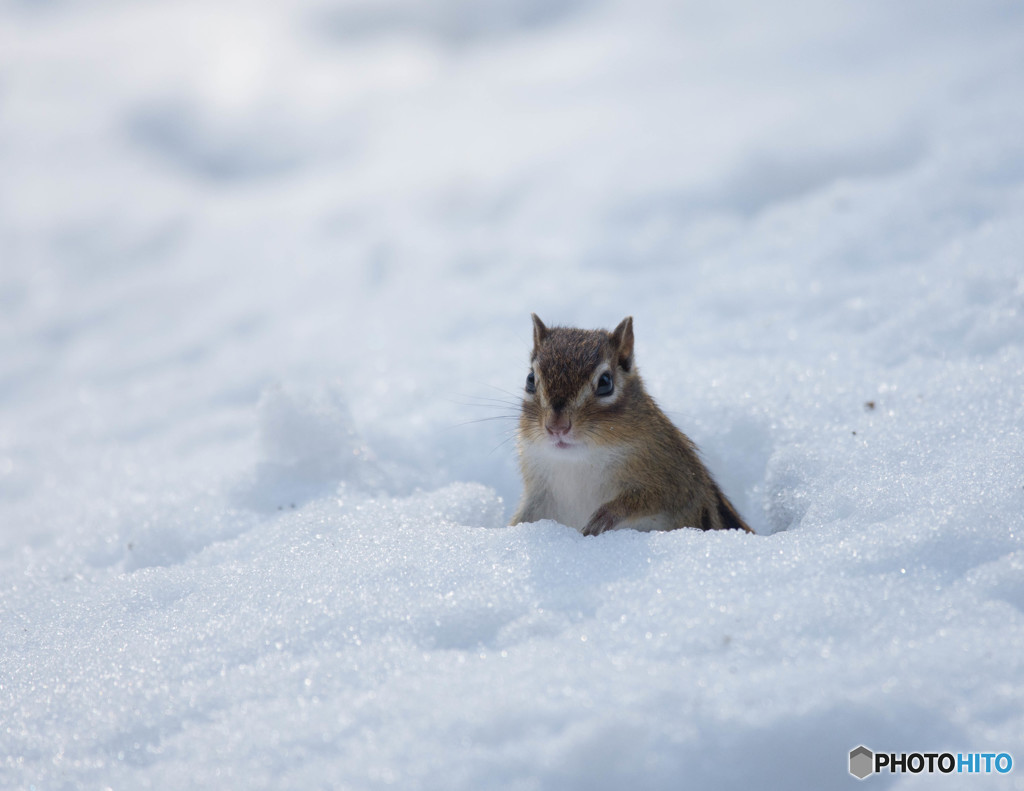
(596, 452)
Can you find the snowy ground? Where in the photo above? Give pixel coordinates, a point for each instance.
(260, 265)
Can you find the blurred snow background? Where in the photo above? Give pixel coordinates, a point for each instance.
(260, 265)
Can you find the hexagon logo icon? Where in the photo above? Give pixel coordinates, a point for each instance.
(862, 762)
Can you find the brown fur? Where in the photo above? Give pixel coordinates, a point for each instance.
(656, 472)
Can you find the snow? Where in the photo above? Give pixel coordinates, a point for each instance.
(266, 272)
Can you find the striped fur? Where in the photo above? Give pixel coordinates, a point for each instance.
(602, 462)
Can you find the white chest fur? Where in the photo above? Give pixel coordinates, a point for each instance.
(576, 481)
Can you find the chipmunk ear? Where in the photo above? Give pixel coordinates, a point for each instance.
(540, 332)
(622, 340)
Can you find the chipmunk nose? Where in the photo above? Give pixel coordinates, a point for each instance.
(558, 424)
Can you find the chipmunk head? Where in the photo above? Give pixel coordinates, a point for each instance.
(576, 385)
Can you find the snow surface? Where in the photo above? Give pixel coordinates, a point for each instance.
(262, 266)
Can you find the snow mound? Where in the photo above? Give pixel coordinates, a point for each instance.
(308, 445)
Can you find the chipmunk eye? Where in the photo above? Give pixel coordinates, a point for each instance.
(605, 385)
(531, 383)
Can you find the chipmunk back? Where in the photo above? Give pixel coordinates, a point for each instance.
(595, 451)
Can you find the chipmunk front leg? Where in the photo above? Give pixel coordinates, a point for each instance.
(629, 505)
(532, 508)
